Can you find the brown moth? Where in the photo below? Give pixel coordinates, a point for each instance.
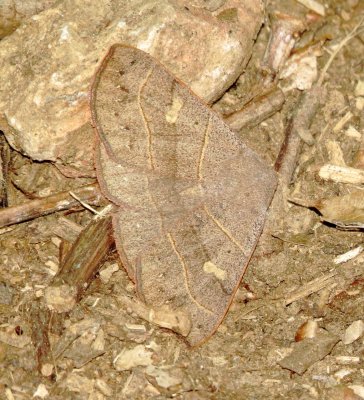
(191, 197)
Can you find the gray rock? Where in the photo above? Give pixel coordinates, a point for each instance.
(308, 351)
(47, 64)
(13, 12)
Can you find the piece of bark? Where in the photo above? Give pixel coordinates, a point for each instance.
(308, 351)
(67, 229)
(80, 265)
(41, 318)
(73, 278)
(50, 204)
(257, 110)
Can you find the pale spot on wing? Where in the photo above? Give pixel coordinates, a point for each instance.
(172, 113)
(203, 149)
(210, 268)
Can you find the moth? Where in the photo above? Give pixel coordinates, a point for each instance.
(191, 197)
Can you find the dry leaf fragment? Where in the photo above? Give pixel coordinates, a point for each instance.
(128, 359)
(345, 211)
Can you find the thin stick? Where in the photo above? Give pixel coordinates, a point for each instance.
(301, 121)
(50, 204)
(298, 124)
(311, 287)
(4, 169)
(256, 111)
(346, 39)
(83, 203)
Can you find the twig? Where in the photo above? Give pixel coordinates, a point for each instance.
(47, 205)
(4, 162)
(310, 287)
(257, 110)
(301, 121)
(285, 29)
(83, 203)
(346, 39)
(296, 128)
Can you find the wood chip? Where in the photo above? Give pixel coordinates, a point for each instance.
(106, 273)
(307, 330)
(359, 88)
(358, 390)
(136, 327)
(164, 378)
(352, 132)
(349, 255)
(341, 174)
(347, 117)
(41, 391)
(353, 332)
(128, 359)
(335, 153)
(347, 359)
(67, 229)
